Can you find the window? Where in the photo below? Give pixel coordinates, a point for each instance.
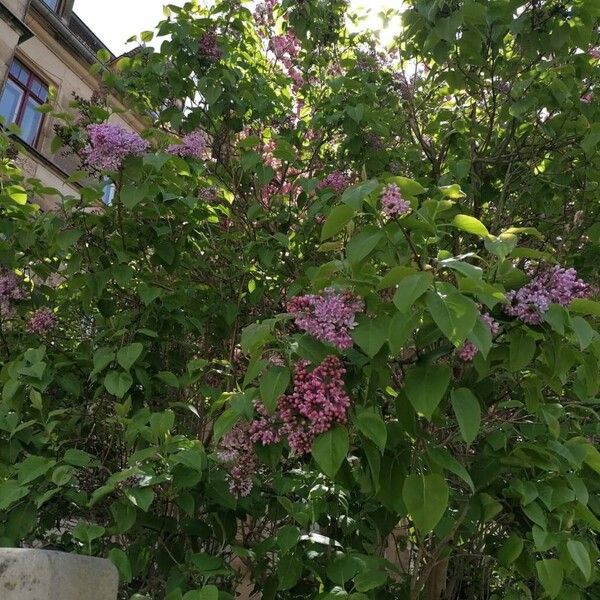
(53, 4)
(22, 96)
(108, 190)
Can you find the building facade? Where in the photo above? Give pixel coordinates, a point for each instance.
(46, 48)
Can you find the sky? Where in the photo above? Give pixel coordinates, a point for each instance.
(115, 21)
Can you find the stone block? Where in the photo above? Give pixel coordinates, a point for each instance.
(47, 575)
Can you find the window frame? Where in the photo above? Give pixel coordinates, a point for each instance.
(56, 10)
(27, 93)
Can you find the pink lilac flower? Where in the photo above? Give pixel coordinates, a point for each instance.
(208, 46)
(110, 144)
(392, 202)
(587, 98)
(263, 14)
(552, 285)
(316, 404)
(468, 350)
(193, 145)
(265, 429)
(336, 180)
(10, 291)
(329, 317)
(42, 321)
(237, 449)
(287, 44)
(594, 52)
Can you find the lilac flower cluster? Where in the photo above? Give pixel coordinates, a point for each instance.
(587, 98)
(265, 429)
(238, 450)
(392, 202)
(594, 52)
(551, 285)
(468, 350)
(286, 45)
(109, 145)
(208, 47)
(41, 321)
(329, 317)
(317, 402)
(336, 180)
(10, 290)
(263, 14)
(193, 145)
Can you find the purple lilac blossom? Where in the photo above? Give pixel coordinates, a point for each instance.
(316, 404)
(392, 202)
(110, 144)
(193, 145)
(552, 285)
(336, 180)
(41, 321)
(10, 290)
(329, 317)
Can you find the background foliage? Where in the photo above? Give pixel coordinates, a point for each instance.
(451, 479)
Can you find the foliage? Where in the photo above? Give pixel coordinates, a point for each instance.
(174, 362)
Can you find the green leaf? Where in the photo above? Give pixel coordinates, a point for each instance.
(581, 557)
(550, 574)
(16, 193)
(127, 355)
(510, 550)
(208, 592)
(330, 449)
(444, 459)
(426, 498)
(372, 426)
(453, 313)
(336, 221)
(470, 225)
(140, 497)
(369, 580)
(224, 423)
(363, 243)
(521, 350)
(401, 326)
(371, 334)
(583, 306)
(121, 561)
(118, 383)
(408, 187)
(149, 294)
(273, 385)
(102, 358)
(354, 195)
(481, 336)
(66, 239)
(468, 413)
(87, 533)
(11, 492)
(33, 467)
(584, 332)
(410, 289)
(343, 569)
(425, 387)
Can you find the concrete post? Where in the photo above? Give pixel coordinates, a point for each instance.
(45, 575)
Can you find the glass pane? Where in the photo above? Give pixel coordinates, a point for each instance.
(51, 3)
(31, 121)
(18, 71)
(10, 101)
(39, 89)
(108, 191)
